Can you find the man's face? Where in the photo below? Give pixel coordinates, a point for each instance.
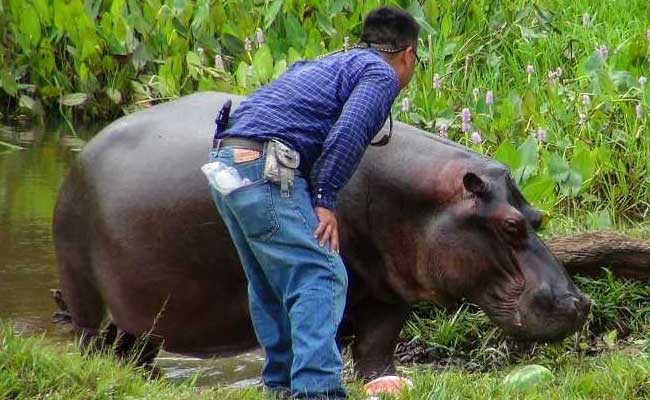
(410, 62)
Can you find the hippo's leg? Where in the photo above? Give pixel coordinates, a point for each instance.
(82, 298)
(376, 329)
(138, 349)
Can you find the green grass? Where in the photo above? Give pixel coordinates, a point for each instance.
(470, 358)
(620, 317)
(32, 369)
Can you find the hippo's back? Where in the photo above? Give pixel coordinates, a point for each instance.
(137, 233)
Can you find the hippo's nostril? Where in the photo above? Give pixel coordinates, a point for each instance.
(583, 304)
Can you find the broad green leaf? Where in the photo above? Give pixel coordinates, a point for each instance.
(529, 104)
(46, 60)
(114, 95)
(193, 64)
(325, 24)
(415, 9)
(263, 64)
(241, 75)
(8, 83)
(558, 168)
(74, 99)
(604, 158)
(180, 28)
(528, 153)
(26, 102)
(279, 68)
(583, 161)
(44, 11)
(508, 154)
(272, 13)
(594, 64)
(83, 73)
(573, 184)
(201, 17)
(336, 6)
(431, 10)
(623, 80)
(293, 56)
(295, 33)
(30, 24)
(540, 191)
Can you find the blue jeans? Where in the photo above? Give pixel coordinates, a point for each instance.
(296, 288)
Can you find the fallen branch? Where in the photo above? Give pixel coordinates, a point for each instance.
(588, 253)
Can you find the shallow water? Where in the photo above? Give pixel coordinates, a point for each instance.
(29, 182)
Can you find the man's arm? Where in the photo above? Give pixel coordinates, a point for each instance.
(361, 118)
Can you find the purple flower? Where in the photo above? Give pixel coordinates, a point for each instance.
(586, 20)
(558, 72)
(465, 127)
(442, 130)
(602, 52)
(586, 99)
(530, 69)
(552, 76)
(476, 138)
(642, 80)
(489, 98)
(259, 37)
(218, 63)
(248, 45)
(639, 111)
(437, 82)
(466, 115)
(541, 135)
(406, 105)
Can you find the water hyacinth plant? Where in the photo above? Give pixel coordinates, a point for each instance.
(104, 58)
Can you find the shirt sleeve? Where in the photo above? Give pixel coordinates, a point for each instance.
(362, 116)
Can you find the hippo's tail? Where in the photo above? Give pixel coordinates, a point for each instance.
(79, 298)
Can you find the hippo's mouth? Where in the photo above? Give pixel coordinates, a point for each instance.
(566, 315)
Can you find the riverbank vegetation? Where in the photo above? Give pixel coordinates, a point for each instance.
(556, 89)
(609, 359)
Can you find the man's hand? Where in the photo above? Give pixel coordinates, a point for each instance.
(328, 228)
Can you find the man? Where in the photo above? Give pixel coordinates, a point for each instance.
(327, 111)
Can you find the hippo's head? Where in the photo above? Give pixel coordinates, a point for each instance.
(498, 262)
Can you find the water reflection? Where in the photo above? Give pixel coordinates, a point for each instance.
(32, 165)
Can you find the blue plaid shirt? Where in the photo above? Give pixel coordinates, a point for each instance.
(328, 110)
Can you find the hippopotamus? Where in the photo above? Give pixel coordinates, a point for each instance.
(142, 250)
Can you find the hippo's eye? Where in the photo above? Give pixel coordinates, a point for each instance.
(514, 227)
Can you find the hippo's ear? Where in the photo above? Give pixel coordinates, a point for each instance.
(474, 184)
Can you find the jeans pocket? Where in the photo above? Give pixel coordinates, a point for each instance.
(253, 208)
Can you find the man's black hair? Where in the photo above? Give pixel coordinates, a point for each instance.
(390, 26)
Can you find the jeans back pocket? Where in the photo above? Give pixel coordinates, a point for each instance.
(254, 210)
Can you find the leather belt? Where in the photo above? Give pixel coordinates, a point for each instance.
(241, 143)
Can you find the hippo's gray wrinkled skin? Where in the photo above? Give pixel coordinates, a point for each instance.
(139, 240)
